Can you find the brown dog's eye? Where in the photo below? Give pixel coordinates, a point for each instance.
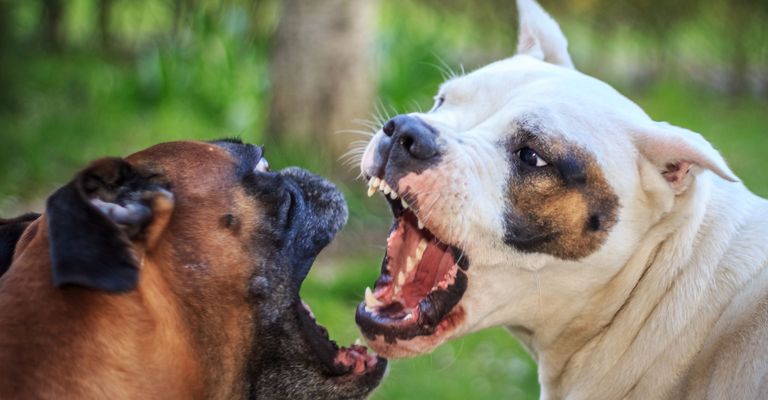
(229, 221)
(530, 157)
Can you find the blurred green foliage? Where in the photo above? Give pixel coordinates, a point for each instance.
(204, 74)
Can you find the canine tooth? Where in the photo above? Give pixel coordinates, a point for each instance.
(358, 342)
(375, 181)
(407, 317)
(371, 190)
(420, 249)
(400, 278)
(405, 205)
(410, 263)
(393, 195)
(385, 188)
(370, 300)
(421, 224)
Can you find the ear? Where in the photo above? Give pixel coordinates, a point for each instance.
(95, 220)
(679, 154)
(540, 36)
(10, 232)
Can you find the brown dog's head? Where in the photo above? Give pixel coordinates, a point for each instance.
(209, 227)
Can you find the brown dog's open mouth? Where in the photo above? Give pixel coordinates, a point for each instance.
(421, 281)
(340, 361)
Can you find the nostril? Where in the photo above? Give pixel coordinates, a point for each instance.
(389, 127)
(407, 142)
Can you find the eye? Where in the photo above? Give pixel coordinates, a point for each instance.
(530, 157)
(439, 100)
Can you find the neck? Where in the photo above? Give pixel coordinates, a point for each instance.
(626, 325)
(86, 343)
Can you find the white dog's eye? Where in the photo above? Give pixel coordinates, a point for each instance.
(439, 100)
(530, 157)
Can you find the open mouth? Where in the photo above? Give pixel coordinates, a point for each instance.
(422, 278)
(316, 200)
(340, 361)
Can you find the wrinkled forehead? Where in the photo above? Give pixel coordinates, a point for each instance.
(571, 102)
(522, 91)
(189, 166)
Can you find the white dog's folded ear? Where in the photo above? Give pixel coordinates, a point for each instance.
(540, 36)
(678, 152)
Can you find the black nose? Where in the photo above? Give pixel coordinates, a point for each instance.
(413, 136)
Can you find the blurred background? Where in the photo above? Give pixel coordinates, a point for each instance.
(81, 79)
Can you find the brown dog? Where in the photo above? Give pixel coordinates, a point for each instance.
(174, 274)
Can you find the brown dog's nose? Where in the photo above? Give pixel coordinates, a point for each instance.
(412, 136)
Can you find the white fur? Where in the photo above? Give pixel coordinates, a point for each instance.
(673, 305)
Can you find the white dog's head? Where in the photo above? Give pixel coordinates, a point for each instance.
(524, 169)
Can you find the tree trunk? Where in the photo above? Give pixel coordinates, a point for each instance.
(105, 34)
(51, 14)
(7, 94)
(322, 74)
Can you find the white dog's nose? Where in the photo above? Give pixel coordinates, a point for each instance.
(412, 136)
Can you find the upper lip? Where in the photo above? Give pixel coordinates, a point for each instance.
(407, 200)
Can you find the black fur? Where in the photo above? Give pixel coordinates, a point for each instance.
(10, 232)
(87, 248)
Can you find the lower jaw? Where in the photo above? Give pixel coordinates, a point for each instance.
(392, 346)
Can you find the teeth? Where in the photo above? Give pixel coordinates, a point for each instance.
(370, 300)
(421, 224)
(358, 342)
(375, 184)
(405, 205)
(410, 264)
(401, 278)
(420, 249)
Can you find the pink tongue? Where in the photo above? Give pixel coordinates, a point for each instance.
(434, 265)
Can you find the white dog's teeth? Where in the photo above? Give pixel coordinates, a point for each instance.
(385, 188)
(421, 224)
(401, 278)
(370, 300)
(393, 195)
(405, 205)
(407, 317)
(374, 182)
(358, 342)
(410, 263)
(420, 249)
(371, 190)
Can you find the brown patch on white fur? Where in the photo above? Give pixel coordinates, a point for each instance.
(555, 213)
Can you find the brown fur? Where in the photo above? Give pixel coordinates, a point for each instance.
(565, 213)
(180, 334)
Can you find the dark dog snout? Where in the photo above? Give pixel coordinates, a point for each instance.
(412, 137)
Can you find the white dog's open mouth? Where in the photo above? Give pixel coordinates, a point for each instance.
(421, 281)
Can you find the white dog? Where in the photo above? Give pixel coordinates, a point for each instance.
(621, 251)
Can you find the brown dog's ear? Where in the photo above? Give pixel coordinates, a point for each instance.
(10, 232)
(93, 220)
